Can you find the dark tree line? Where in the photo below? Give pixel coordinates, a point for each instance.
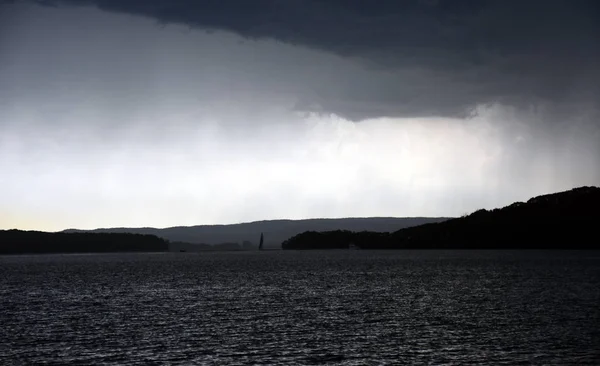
(565, 220)
(23, 242)
(338, 239)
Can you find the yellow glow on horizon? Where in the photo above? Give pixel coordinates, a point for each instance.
(26, 221)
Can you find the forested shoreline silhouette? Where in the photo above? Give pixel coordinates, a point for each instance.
(564, 220)
(32, 242)
(224, 237)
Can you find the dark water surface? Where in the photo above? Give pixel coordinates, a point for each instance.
(328, 307)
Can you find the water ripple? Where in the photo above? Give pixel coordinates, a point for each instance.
(333, 307)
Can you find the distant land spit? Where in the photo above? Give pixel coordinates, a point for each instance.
(39, 242)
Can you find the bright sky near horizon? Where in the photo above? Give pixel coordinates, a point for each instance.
(110, 119)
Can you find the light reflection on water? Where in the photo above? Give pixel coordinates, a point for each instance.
(334, 307)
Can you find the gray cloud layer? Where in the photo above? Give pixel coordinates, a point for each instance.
(107, 119)
(432, 57)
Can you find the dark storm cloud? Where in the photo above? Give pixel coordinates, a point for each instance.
(469, 52)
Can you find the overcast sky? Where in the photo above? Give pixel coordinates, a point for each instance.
(163, 113)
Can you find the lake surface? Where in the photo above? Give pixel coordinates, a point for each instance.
(313, 307)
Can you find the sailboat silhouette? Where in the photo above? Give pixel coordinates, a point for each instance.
(260, 244)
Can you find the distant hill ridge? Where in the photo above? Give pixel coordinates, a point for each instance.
(563, 220)
(275, 231)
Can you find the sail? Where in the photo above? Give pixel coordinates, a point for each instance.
(260, 245)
